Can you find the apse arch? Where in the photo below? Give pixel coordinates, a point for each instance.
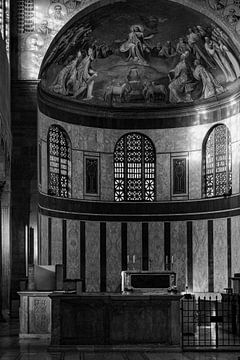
(143, 71)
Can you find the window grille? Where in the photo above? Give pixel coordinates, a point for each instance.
(59, 167)
(217, 162)
(134, 169)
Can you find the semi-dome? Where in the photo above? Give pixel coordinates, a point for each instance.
(141, 52)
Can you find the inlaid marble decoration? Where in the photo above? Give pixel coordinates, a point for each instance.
(73, 250)
(195, 159)
(235, 248)
(92, 256)
(77, 174)
(134, 244)
(39, 315)
(113, 250)
(56, 251)
(156, 246)
(200, 255)
(44, 180)
(179, 252)
(44, 240)
(107, 177)
(163, 176)
(220, 254)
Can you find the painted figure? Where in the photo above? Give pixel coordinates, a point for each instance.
(233, 62)
(62, 82)
(71, 6)
(58, 15)
(181, 85)
(135, 46)
(210, 86)
(44, 28)
(197, 45)
(232, 17)
(182, 46)
(218, 56)
(167, 50)
(85, 78)
(216, 5)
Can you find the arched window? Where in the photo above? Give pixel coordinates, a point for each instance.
(134, 168)
(59, 162)
(217, 162)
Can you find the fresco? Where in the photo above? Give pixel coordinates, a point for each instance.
(228, 11)
(38, 23)
(139, 53)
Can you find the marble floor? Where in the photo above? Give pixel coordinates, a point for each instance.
(11, 348)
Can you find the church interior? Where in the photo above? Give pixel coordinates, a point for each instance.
(120, 179)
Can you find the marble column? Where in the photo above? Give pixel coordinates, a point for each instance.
(220, 254)
(179, 252)
(134, 236)
(92, 256)
(200, 255)
(113, 250)
(156, 246)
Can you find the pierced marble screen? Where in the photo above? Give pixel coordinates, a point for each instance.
(134, 169)
(217, 162)
(59, 165)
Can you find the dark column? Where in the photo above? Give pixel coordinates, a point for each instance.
(2, 183)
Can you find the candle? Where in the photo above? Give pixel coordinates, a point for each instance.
(172, 259)
(128, 258)
(133, 259)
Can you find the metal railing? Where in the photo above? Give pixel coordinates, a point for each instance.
(210, 323)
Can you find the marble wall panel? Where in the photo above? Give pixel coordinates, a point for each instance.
(235, 244)
(163, 176)
(179, 252)
(57, 245)
(77, 174)
(235, 167)
(92, 256)
(44, 240)
(220, 268)
(113, 250)
(107, 177)
(156, 246)
(134, 244)
(195, 173)
(200, 255)
(73, 250)
(44, 180)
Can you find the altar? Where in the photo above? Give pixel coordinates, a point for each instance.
(115, 319)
